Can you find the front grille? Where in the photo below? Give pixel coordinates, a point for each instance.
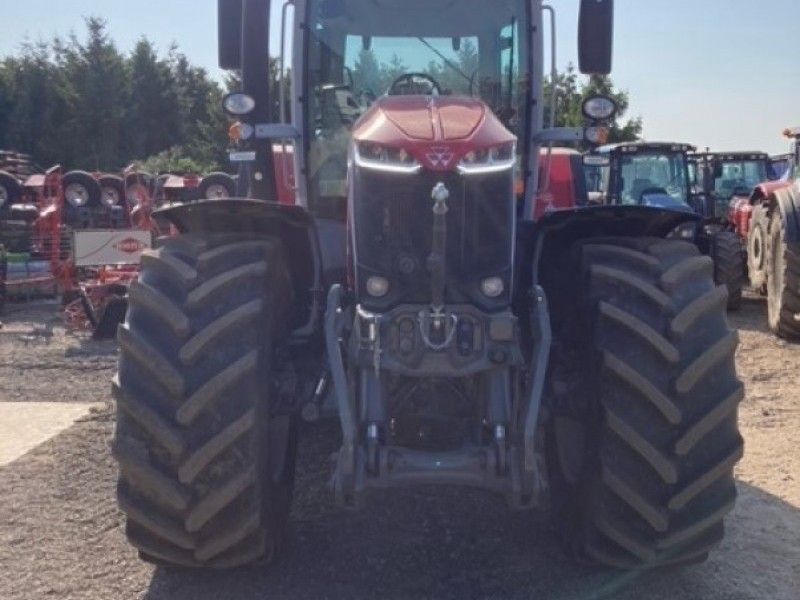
(393, 222)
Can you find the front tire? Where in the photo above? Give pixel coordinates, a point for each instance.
(206, 463)
(642, 464)
(729, 265)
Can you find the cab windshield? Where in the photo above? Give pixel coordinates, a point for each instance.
(360, 50)
(740, 177)
(653, 173)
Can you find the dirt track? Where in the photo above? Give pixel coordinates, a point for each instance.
(62, 537)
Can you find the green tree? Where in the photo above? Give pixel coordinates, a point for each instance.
(153, 116)
(367, 73)
(97, 89)
(32, 103)
(83, 104)
(570, 94)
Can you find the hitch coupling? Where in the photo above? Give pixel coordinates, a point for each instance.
(437, 327)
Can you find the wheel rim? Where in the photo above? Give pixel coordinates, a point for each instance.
(757, 249)
(77, 194)
(216, 191)
(111, 196)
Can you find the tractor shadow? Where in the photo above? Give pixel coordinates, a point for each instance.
(752, 316)
(455, 543)
(41, 323)
(30, 322)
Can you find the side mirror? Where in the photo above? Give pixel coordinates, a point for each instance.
(229, 22)
(717, 170)
(456, 44)
(596, 36)
(366, 43)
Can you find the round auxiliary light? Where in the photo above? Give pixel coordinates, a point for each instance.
(377, 287)
(492, 287)
(238, 104)
(599, 108)
(596, 135)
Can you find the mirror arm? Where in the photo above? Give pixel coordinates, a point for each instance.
(560, 134)
(545, 185)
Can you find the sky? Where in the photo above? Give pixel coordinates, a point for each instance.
(723, 74)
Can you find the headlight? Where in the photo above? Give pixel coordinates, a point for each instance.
(382, 158)
(599, 108)
(685, 231)
(238, 104)
(489, 160)
(377, 287)
(492, 287)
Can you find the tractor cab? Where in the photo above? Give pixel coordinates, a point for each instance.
(642, 174)
(786, 167)
(723, 176)
(419, 79)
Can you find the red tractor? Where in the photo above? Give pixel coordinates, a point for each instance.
(768, 222)
(578, 359)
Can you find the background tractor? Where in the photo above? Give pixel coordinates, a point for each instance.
(580, 361)
(768, 223)
(722, 177)
(661, 175)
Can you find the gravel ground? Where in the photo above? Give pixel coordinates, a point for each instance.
(62, 537)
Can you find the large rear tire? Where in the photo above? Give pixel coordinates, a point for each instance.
(729, 265)
(642, 464)
(783, 281)
(206, 462)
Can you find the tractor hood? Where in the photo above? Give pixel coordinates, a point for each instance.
(665, 201)
(438, 131)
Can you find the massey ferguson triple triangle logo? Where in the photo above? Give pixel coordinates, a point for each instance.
(440, 156)
(129, 246)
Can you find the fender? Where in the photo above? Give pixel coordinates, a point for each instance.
(634, 220)
(788, 201)
(554, 234)
(292, 224)
(786, 196)
(767, 189)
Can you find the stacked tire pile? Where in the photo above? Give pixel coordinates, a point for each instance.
(101, 200)
(170, 188)
(17, 212)
(15, 170)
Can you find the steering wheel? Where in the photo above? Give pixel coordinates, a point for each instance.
(410, 77)
(652, 191)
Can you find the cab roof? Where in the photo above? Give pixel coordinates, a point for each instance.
(734, 156)
(641, 146)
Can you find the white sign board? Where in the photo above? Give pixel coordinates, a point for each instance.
(110, 247)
